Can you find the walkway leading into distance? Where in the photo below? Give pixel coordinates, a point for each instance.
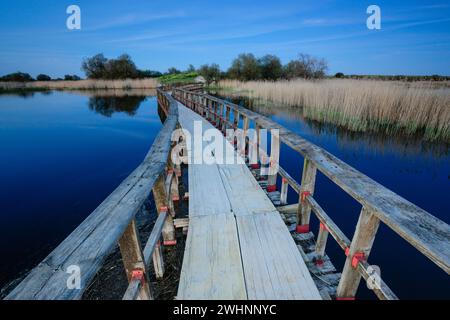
(237, 247)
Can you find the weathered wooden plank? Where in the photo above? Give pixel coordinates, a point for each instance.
(88, 245)
(273, 266)
(243, 191)
(154, 237)
(212, 267)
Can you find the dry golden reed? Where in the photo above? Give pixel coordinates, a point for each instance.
(362, 105)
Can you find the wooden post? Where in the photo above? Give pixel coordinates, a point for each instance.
(321, 243)
(160, 196)
(245, 127)
(158, 261)
(306, 188)
(227, 118)
(133, 259)
(359, 250)
(219, 115)
(235, 119)
(284, 191)
(274, 161)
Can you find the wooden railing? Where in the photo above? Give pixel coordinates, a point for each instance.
(426, 233)
(112, 223)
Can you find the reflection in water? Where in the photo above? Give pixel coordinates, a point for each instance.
(411, 145)
(107, 105)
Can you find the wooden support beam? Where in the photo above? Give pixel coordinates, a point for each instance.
(359, 250)
(274, 161)
(161, 201)
(284, 191)
(306, 188)
(289, 209)
(133, 258)
(181, 222)
(227, 118)
(235, 118)
(245, 127)
(158, 261)
(321, 242)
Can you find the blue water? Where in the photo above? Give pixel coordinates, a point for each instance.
(61, 154)
(417, 171)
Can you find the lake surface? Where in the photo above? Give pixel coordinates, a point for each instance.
(61, 155)
(417, 171)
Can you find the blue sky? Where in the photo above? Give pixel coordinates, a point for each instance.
(414, 36)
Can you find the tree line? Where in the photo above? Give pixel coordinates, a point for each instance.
(245, 67)
(26, 77)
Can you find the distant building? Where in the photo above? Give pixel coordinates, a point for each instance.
(200, 79)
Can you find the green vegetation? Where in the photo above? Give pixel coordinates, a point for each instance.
(99, 67)
(43, 77)
(211, 73)
(17, 77)
(175, 78)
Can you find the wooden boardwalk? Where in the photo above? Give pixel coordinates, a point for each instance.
(238, 247)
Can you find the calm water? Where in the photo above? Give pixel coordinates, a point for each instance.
(418, 172)
(61, 155)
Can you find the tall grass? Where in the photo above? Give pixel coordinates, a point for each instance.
(361, 105)
(81, 85)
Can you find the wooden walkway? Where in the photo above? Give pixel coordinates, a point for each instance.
(238, 247)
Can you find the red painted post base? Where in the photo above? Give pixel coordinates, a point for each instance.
(169, 243)
(254, 166)
(272, 188)
(346, 299)
(302, 228)
(319, 262)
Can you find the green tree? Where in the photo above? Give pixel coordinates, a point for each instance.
(173, 70)
(339, 75)
(71, 77)
(211, 73)
(307, 67)
(245, 67)
(149, 74)
(191, 68)
(43, 77)
(270, 67)
(95, 67)
(17, 77)
(121, 68)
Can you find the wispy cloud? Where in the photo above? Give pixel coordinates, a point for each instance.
(133, 18)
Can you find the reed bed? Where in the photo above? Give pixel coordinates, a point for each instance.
(81, 85)
(361, 105)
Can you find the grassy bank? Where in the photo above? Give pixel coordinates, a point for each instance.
(125, 84)
(362, 105)
(178, 78)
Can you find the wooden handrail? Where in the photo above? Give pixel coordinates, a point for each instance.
(90, 243)
(428, 234)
